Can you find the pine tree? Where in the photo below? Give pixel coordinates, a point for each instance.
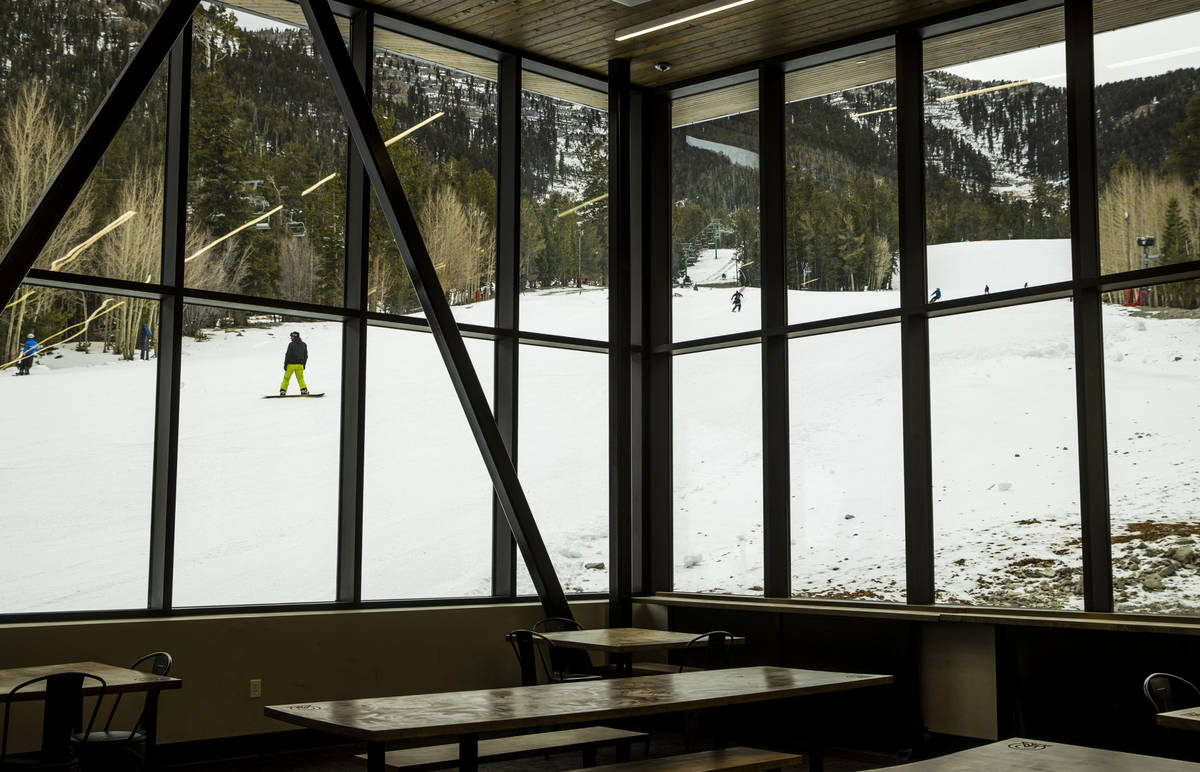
(1175, 246)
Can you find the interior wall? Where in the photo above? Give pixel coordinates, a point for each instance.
(958, 679)
(301, 656)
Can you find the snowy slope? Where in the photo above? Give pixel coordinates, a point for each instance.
(258, 479)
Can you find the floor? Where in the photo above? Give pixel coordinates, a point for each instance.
(338, 758)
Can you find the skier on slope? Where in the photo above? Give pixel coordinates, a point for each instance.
(936, 296)
(28, 349)
(737, 300)
(293, 362)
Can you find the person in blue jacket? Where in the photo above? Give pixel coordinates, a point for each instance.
(28, 349)
(737, 300)
(293, 364)
(936, 296)
(145, 335)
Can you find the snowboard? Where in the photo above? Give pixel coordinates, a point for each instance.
(286, 396)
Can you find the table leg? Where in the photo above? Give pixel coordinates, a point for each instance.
(150, 727)
(468, 752)
(376, 761)
(816, 758)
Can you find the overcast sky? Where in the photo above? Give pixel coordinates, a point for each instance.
(1131, 52)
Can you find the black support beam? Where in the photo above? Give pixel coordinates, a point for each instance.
(1089, 332)
(508, 286)
(772, 208)
(656, 531)
(354, 337)
(396, 210)
(70, 178)
(170, 324)
(914, 324)
(621, 201)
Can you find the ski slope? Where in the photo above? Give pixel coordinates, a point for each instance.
(258, 479)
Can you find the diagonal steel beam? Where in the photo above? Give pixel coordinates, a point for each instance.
(378, 164)
(64, 187)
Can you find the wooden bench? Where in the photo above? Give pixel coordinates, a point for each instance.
(720, 759)
(586, 739)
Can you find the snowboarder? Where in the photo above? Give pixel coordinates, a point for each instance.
(737, 300)
(936, 296)
(293, 362)
(145, 335)
(28, 349)
(987, 290)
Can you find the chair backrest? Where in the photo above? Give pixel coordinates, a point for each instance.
(562, 659)
(555, 625)
(522, 643)
(717, 644)
(1169, 692)
(63, 706)
(161, 663)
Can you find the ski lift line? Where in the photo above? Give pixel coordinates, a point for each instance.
(316, 185)
(78, 248)
(20, 300)
(389, 143)
(100, 311)
(413, 128)
(873, 112)
(233, 232)
(581, 206)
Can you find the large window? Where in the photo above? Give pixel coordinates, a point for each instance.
(266, 184)
(718, 474)
(714, 223)
(846, 465)
(257, 487)
(842, 224)
(995, 140)
(564, 208)
(79, 426)
(1152, 377)
(1147, 139)
(437, 110)
(427, 498)
(1005, 462)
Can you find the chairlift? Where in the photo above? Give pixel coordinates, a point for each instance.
(295, 226)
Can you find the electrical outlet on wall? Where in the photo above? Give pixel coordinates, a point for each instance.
(255, 687)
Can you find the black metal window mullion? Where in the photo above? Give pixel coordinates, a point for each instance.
(621, 159)
(506, 349)
(1089, 333)
(914, 324)
(777, 568)
(354, 337)
(170, 325)
(656, 531)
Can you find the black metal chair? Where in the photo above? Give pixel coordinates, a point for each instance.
(524, 642)
(1170, 692)
(562, 659)
(125, 749)
(717, 644)
(61, 713)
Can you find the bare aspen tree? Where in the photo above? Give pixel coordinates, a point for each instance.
(456, 244)
(33, 143)
(296, 259)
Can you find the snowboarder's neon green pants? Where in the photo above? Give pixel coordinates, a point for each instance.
(287, 376)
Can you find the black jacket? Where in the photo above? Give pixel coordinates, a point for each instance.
(297, 353)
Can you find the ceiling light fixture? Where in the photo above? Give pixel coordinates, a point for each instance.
(681, 17)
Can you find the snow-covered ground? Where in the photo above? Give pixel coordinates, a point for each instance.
(258, 479)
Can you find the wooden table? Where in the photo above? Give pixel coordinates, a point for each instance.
(1021, 755)
(467, 714)
(1184, 718)
(623, 642)
(119, 680)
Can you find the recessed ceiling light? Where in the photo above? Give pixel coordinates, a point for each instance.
(678, 18)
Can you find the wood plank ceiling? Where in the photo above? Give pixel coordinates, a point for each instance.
(581, 33)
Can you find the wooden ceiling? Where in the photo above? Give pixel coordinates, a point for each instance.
(580, 33)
